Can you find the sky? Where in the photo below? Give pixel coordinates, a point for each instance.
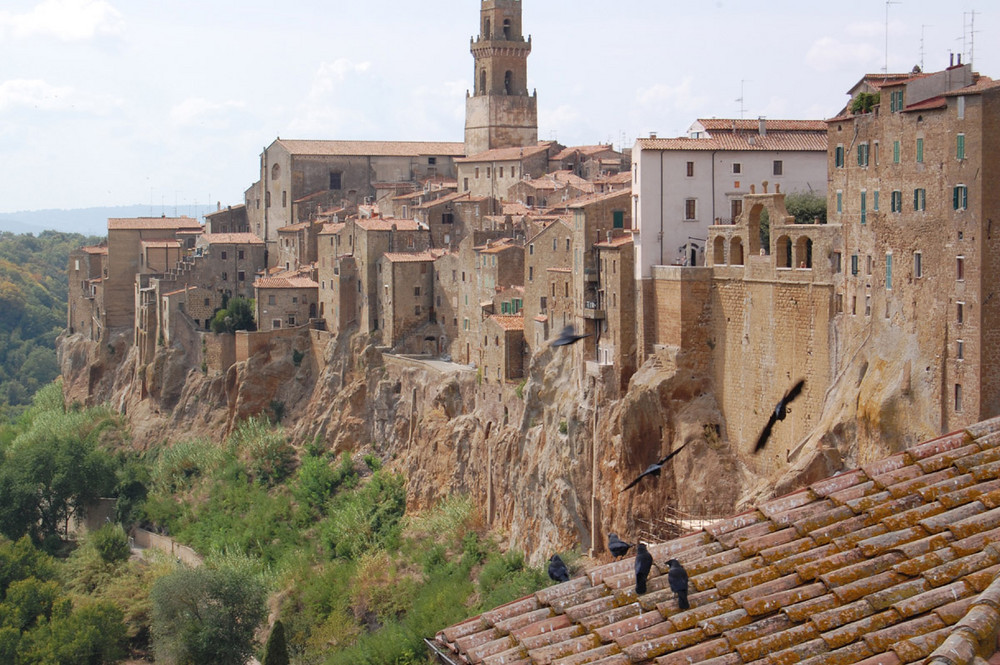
(122, 102)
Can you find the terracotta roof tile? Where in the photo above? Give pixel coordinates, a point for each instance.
(897, 562)
(371, 148)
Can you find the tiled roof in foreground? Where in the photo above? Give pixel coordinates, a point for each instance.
(896, 562)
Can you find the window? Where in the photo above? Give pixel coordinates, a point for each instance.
(291, 319)
(896, 101)
(531, 273)
(618, 219)
(432, 161)
(920, 151)
(335, 180)
(895, 152)
(241, 276)
(488, 174)
(567, 249)
(897, 201)
(854, 264)
(961, 108)
(960, 146)
(555, 244)
(206, 302)
(958, 397)
(465, 184)
(737, 168)
(736, 208)
(918, 265)
(416, 290)
(862, 154)
(864, 207)
(416, 310)
(477, 173)
(225, 255)
(869, 264)
(838, 157)
(239, 254)
(920, 199)
(270, 300)
(960, 197)
(225, 277)
(690, 169)
(960, 312)
(875, 150)
(448, 218)
(888, 272)
(960, 268)
(267, 199)
(275, 324)
(690, 209)
(284, 199)
(875, 201)
(779, 167)
(531, 249)
(840, 201)
(960, 350)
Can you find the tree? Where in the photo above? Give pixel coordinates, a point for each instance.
(238, 314)
(806, 207)
(864, 102)
(276, 650)
(206, 615)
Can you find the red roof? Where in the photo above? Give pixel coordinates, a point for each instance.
(743, 124)
(412, 257)
(775, 141)
(160, 244)
(285, 283)
(372, 148)
(615, 242)
(152, 223)
(895, 562)
(509, 323)
(384, 224)
(506, 154)
(95, 249)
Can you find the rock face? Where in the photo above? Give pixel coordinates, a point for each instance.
(546, 460)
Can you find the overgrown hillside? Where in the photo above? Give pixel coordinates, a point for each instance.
(320, 542)
(32, 310)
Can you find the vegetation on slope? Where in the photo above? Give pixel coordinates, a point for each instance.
(353, 577)
(33, 289)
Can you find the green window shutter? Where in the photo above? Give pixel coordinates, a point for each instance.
(840, 202)
(619, 219)
(954, 198)
(916, 199)
(854, 264)
(965, 197)
(895, 152)
(888, 271)
(960, 146)
(920, 150)
(875, 200)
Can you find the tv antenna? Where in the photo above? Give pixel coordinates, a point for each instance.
(741, 99)
(971, 25)
(923, 51)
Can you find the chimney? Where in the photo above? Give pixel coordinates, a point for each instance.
(951, 59)
(762, 126)
(652, 135)
(959, 59)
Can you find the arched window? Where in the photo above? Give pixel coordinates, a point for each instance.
(506, 29)
(783, 256)
(803, 252)
(719, 251)
(486, 28)
(482, 82)
(508, 82)
(736, 251)
(275, 172)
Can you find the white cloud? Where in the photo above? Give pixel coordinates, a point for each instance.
(197, 111)
(41, 96)
(67, 20)
(829, 54)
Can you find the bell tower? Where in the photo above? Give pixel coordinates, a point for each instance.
(500, 113)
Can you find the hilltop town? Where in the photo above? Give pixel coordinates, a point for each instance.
(406, 295)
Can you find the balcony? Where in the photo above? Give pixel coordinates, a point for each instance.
(591, 311)
(590, 275)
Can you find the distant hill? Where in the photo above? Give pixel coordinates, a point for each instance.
(88, 221)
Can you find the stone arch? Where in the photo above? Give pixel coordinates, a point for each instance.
(487, 32)
(803, 252)
(783, 252)
(506, 29)
(736, 251)
(753, 223)
(719, 251)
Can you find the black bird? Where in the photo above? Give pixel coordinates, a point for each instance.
(653, 469)
(643, 564)
(678, 579)
(780, 411)
(567, 336)
(557, 569)
(617, 546)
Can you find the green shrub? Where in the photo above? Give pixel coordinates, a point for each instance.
(111, 543)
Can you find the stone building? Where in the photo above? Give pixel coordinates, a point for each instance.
(553, 186)
(450, 218)
(503, 349)
(296, 245)
(912, 183)
(587, 161)
(285, 301)
(292, 170)
(500, 113)
(126, 260)
(616, 341)
(406, 297)
(550, 249)
(494, 172)
(684, 185)
(231, 219)
(85, 310)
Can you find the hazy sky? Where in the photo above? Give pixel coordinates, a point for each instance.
(114, 102)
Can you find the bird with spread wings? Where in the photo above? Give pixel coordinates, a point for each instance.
(653, 469)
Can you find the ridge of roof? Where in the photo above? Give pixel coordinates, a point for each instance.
(152, 223)
(371, 148)
(895, 562)
(777, 140)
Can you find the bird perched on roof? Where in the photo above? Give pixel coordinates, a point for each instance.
(567, 336)
(678, 579)
(780, 411)
(653, 469)
(617, 546)
(643, 564)
(557, 569)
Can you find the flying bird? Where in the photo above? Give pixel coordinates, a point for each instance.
(567, 336)
(678, 579)
(557, 569)
(780, 411)
(617, 546)
(643, 564)
(654, 469)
